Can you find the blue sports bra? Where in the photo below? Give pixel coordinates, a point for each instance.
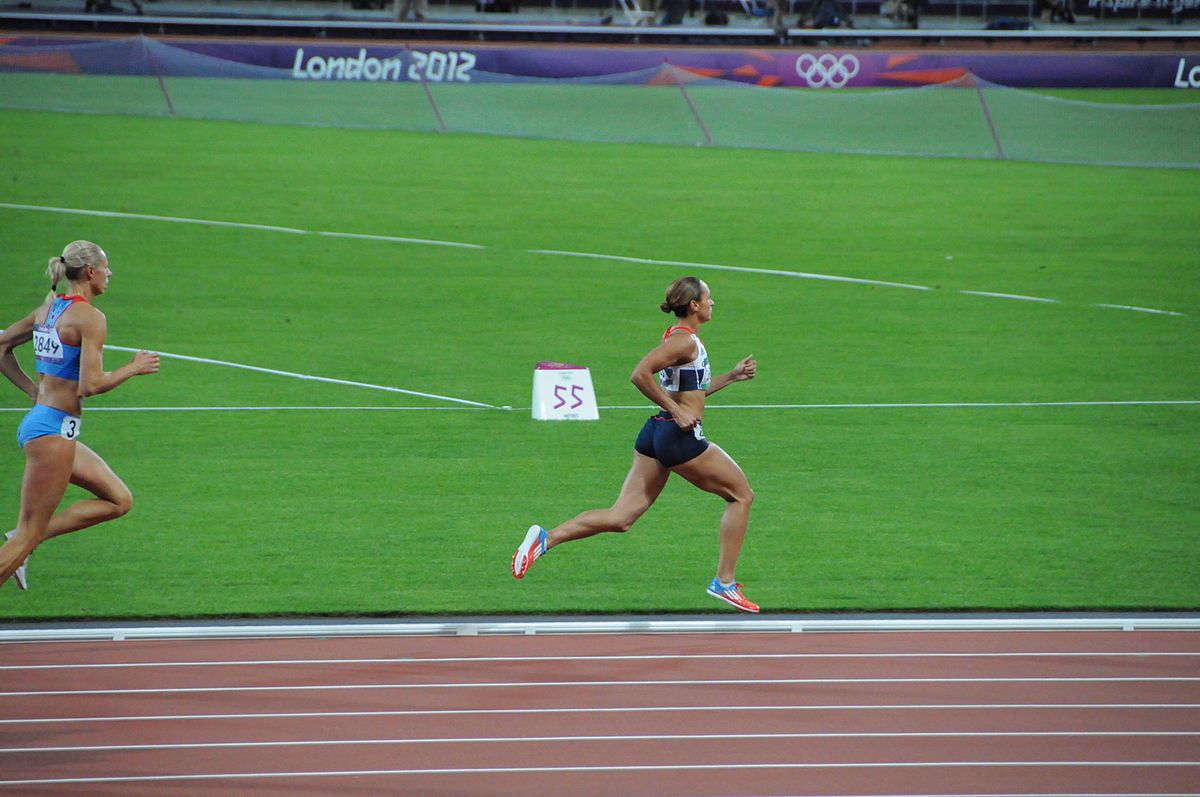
(54, 357)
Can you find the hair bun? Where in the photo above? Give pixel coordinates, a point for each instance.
(666, 308)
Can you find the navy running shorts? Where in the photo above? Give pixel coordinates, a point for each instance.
(662, 439)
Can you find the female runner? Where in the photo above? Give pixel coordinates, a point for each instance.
(672, 442)
(68, 334)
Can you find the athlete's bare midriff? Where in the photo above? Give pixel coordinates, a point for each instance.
(690, 400)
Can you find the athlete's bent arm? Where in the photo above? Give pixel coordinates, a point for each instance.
(744, 370)
(19, 333)
(93, 379)
(675, 350)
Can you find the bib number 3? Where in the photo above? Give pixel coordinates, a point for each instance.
(70, 428)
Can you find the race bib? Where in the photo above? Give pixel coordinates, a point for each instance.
(698, 431)
(47, 346)
(70, 427)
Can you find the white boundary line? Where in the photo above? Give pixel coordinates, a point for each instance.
(611, 710)
(551, 252)
(347, 687)
(242, 225)
(611, 768)
(656, 737)
(646, 407)
(254, 630)
(1016, 296)
(423, 660)
(294, 375)
(744, 269)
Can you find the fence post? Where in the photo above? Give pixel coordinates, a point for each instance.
(708, 139)
(428, 94)
(145, 42)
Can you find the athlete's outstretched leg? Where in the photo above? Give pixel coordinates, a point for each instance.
(48, 464)
(715, 471)
(643, 484)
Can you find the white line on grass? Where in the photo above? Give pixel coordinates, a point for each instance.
(1148, 402)
(563, 253)
(310, 377)
(435, 712)
(243, 225)
(688, 264)
(649, 737)
(602, 768)
(173, 690)
(1012, 296)
(646, 407)
(1140, 309)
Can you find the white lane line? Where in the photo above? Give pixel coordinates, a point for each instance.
(649, 737)
(436, 712)
(639, 657)
(310, 377)
(612, 768)
(1017, 296)
(618, 683)
(744, 269)
(1140, 309)
(242, 225)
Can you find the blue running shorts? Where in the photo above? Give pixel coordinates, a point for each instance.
(662, 439)
(42, 421)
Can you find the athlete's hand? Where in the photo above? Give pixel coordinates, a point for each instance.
(145, 362)
(683, 419)
(744, 370)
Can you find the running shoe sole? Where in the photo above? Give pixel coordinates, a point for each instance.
(524, 557)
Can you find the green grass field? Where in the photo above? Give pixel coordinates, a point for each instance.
(410, 511)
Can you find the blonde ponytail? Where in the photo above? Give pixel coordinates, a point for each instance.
(76, 256)
(56, 270)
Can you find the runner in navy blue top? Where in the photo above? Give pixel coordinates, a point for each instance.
(672, 442)
(68, 336)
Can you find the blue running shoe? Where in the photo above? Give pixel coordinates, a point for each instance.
(732, 595)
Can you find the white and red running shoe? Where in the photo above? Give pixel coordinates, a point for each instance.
(732, 595)
(532, 547)
(20, 575)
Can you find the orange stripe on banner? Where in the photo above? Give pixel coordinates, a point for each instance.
(896, 60)
(45, 62)
(926, 76)
(768, 80)
(762, 55)
(701, 71)
(746, 71)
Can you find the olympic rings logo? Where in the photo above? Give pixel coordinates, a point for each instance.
(824, 70)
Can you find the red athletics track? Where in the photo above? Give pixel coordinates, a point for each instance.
(813, 713)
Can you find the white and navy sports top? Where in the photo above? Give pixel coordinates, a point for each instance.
(695, 375)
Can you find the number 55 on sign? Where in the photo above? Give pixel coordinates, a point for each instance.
(563, 392)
